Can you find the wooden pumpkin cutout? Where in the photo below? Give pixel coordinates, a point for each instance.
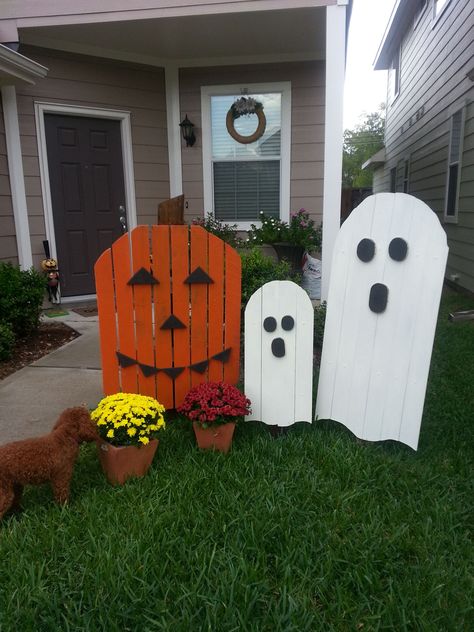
(386, 280)
(279, 354)
(169, 312)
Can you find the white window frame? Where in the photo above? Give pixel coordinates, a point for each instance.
(420, 13)
(453, 219)
(439, 13)
(397, 80)
(406, 175)
(284, 87)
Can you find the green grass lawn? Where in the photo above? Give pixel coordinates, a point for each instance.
(313, 531)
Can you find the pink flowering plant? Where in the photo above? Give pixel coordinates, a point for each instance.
(214, 403)
(303, 232)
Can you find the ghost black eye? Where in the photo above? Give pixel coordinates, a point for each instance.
(287, 322)
(269, 324)
(398, 249)
(366, 250)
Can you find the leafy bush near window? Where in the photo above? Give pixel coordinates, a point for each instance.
(21, 297)
(301, 231)
(7, 340)
(257, 269)
(226, 232)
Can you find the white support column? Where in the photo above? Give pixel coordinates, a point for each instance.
(17, 179)
(333, 136)
(174, 135)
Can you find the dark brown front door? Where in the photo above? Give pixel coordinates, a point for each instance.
(87, 191)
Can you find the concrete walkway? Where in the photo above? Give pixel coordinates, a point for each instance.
(32, 399)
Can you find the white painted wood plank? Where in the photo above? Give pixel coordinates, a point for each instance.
(278, 374)
(253, 355)
(355, 314)
(282, 393)
(304, 330)
(374, 366)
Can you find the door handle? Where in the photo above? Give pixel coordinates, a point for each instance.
(123, 218)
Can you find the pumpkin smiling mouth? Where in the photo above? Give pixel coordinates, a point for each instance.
(172, 371)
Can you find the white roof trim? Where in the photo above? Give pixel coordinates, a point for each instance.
(377, 160)
(17, 69)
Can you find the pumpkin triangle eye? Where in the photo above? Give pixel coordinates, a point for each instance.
(198, 276)
(142, 277)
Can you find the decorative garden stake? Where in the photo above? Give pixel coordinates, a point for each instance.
(386, 280)
(279, 354)
(169, 312)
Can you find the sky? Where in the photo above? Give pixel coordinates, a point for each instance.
(365, 88)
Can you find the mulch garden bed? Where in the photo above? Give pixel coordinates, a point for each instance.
(50, 336)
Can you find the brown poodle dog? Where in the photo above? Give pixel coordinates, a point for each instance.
(48, 458)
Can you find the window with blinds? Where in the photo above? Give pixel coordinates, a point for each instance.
(455, 149)
(246, 177)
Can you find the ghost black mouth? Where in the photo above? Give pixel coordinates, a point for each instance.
(172, 371)
(378, 298)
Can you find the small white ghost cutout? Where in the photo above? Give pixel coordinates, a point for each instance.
(279, 354)
(386, 280)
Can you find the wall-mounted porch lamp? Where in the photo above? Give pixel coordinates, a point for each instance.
(187, 131)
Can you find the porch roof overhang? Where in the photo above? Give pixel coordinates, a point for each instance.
(232, 35)
(402, 15)
(375, 161)
(16, 69)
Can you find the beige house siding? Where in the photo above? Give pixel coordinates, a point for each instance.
(8, 246)
(307, 133)
(435, 59)
(98, 83)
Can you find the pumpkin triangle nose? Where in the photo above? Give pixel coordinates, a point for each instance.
(173, 323)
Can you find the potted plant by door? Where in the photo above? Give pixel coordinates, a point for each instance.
(214, 408)
(128, 425)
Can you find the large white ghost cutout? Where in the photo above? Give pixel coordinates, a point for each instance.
(384, 292)
(279, 354)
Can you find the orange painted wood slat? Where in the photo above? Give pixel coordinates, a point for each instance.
(233, 271)
(143, 303)
(216, 307)
(161, 267)
(180, 304)
(125, 312)
(104, 283)
(199, 302)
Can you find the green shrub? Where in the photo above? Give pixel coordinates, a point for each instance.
(257, 269)
(21, 296)
(226, 232)
(7, 340)
(319, 322)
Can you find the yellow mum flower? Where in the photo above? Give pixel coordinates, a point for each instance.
(110, 433)
(144, 440)
(131, 432)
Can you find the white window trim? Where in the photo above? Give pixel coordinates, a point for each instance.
(453, 219)
(436, 17)
(285, 151)
(42, 108)
(420, 14)
(406, 162)
(397, 85)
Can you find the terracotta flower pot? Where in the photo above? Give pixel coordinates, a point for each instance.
(121, 462)
(218, 437)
